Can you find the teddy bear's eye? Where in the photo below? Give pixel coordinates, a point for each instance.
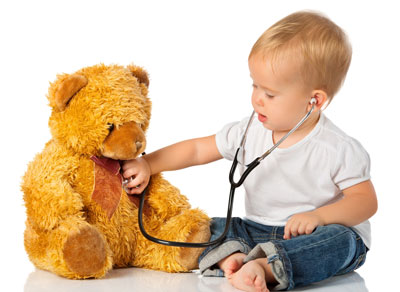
(110, 127)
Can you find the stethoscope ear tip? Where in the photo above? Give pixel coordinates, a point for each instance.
(313, 100)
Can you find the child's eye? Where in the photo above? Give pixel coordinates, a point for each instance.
(269, 95)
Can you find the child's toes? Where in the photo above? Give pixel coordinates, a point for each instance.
(233, 266)
(228, 273)
(249, 280)
(259, 283)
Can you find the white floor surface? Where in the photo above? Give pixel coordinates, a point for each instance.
(134, 279)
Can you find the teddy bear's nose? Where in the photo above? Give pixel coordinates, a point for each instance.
(138, 145)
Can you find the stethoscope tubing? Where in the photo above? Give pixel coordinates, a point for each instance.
(234, 185)
(186, 244)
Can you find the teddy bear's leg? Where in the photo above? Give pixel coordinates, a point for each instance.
(188, 257)
(75, 249)
(192, 225)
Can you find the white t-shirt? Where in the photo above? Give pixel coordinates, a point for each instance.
(305, 176)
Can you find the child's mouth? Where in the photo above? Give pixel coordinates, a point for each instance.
(262, 118)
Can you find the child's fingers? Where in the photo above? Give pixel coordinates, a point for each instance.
(291, 225)
(135, 182)
(294, 228)
(310, 228)
(128, 164)
(127, 174)
(133, 186)
(133, 191)
(288, 229)
(130, 168)
(286, 234)
(138, 190)
(302, 228)
(137, 185)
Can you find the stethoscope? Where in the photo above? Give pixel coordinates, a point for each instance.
(234, 186)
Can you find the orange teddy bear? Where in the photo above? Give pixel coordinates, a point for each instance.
(80, 221)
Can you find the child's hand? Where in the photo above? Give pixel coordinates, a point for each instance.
(140, 171)
(303, 223)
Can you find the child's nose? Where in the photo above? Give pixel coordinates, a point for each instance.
(259, 100)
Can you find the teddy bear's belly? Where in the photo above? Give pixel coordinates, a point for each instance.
(121, 229)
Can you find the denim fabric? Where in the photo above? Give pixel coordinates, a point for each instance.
(330, 250)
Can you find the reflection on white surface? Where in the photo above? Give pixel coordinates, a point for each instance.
(351, 282)
(134, 279)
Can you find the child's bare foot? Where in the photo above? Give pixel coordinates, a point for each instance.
(250, 277)
(253, 276)
(232, 263)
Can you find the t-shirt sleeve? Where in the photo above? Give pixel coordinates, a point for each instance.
(353, 165)
(228, 139)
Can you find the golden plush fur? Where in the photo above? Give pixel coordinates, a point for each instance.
(80, 222)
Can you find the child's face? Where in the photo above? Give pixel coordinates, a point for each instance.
(279, 97)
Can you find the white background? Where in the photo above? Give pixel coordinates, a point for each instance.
(196, 54)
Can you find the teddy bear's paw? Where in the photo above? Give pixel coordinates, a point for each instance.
(85, 253)
(188, 257)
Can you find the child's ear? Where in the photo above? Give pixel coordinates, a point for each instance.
(321, 98)
(66, 89)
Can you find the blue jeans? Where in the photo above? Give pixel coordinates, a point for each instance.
(329, 251)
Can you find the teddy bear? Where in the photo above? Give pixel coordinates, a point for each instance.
(80, 221)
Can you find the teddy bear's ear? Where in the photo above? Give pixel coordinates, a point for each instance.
(140, 74)
(67, 89)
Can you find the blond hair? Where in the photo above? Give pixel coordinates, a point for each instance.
(322, 47)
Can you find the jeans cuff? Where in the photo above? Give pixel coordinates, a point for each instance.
(280, 264)
(207, 263)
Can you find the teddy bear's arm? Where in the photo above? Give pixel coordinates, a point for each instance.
(48, 194)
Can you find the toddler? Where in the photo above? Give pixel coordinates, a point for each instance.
(308, 203)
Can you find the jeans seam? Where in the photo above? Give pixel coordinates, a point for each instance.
(283, 257)
(359, 260)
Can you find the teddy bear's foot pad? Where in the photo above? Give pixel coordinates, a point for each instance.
(188, 257)
(85, 252)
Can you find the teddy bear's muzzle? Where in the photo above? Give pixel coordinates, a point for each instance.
(124, 142)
